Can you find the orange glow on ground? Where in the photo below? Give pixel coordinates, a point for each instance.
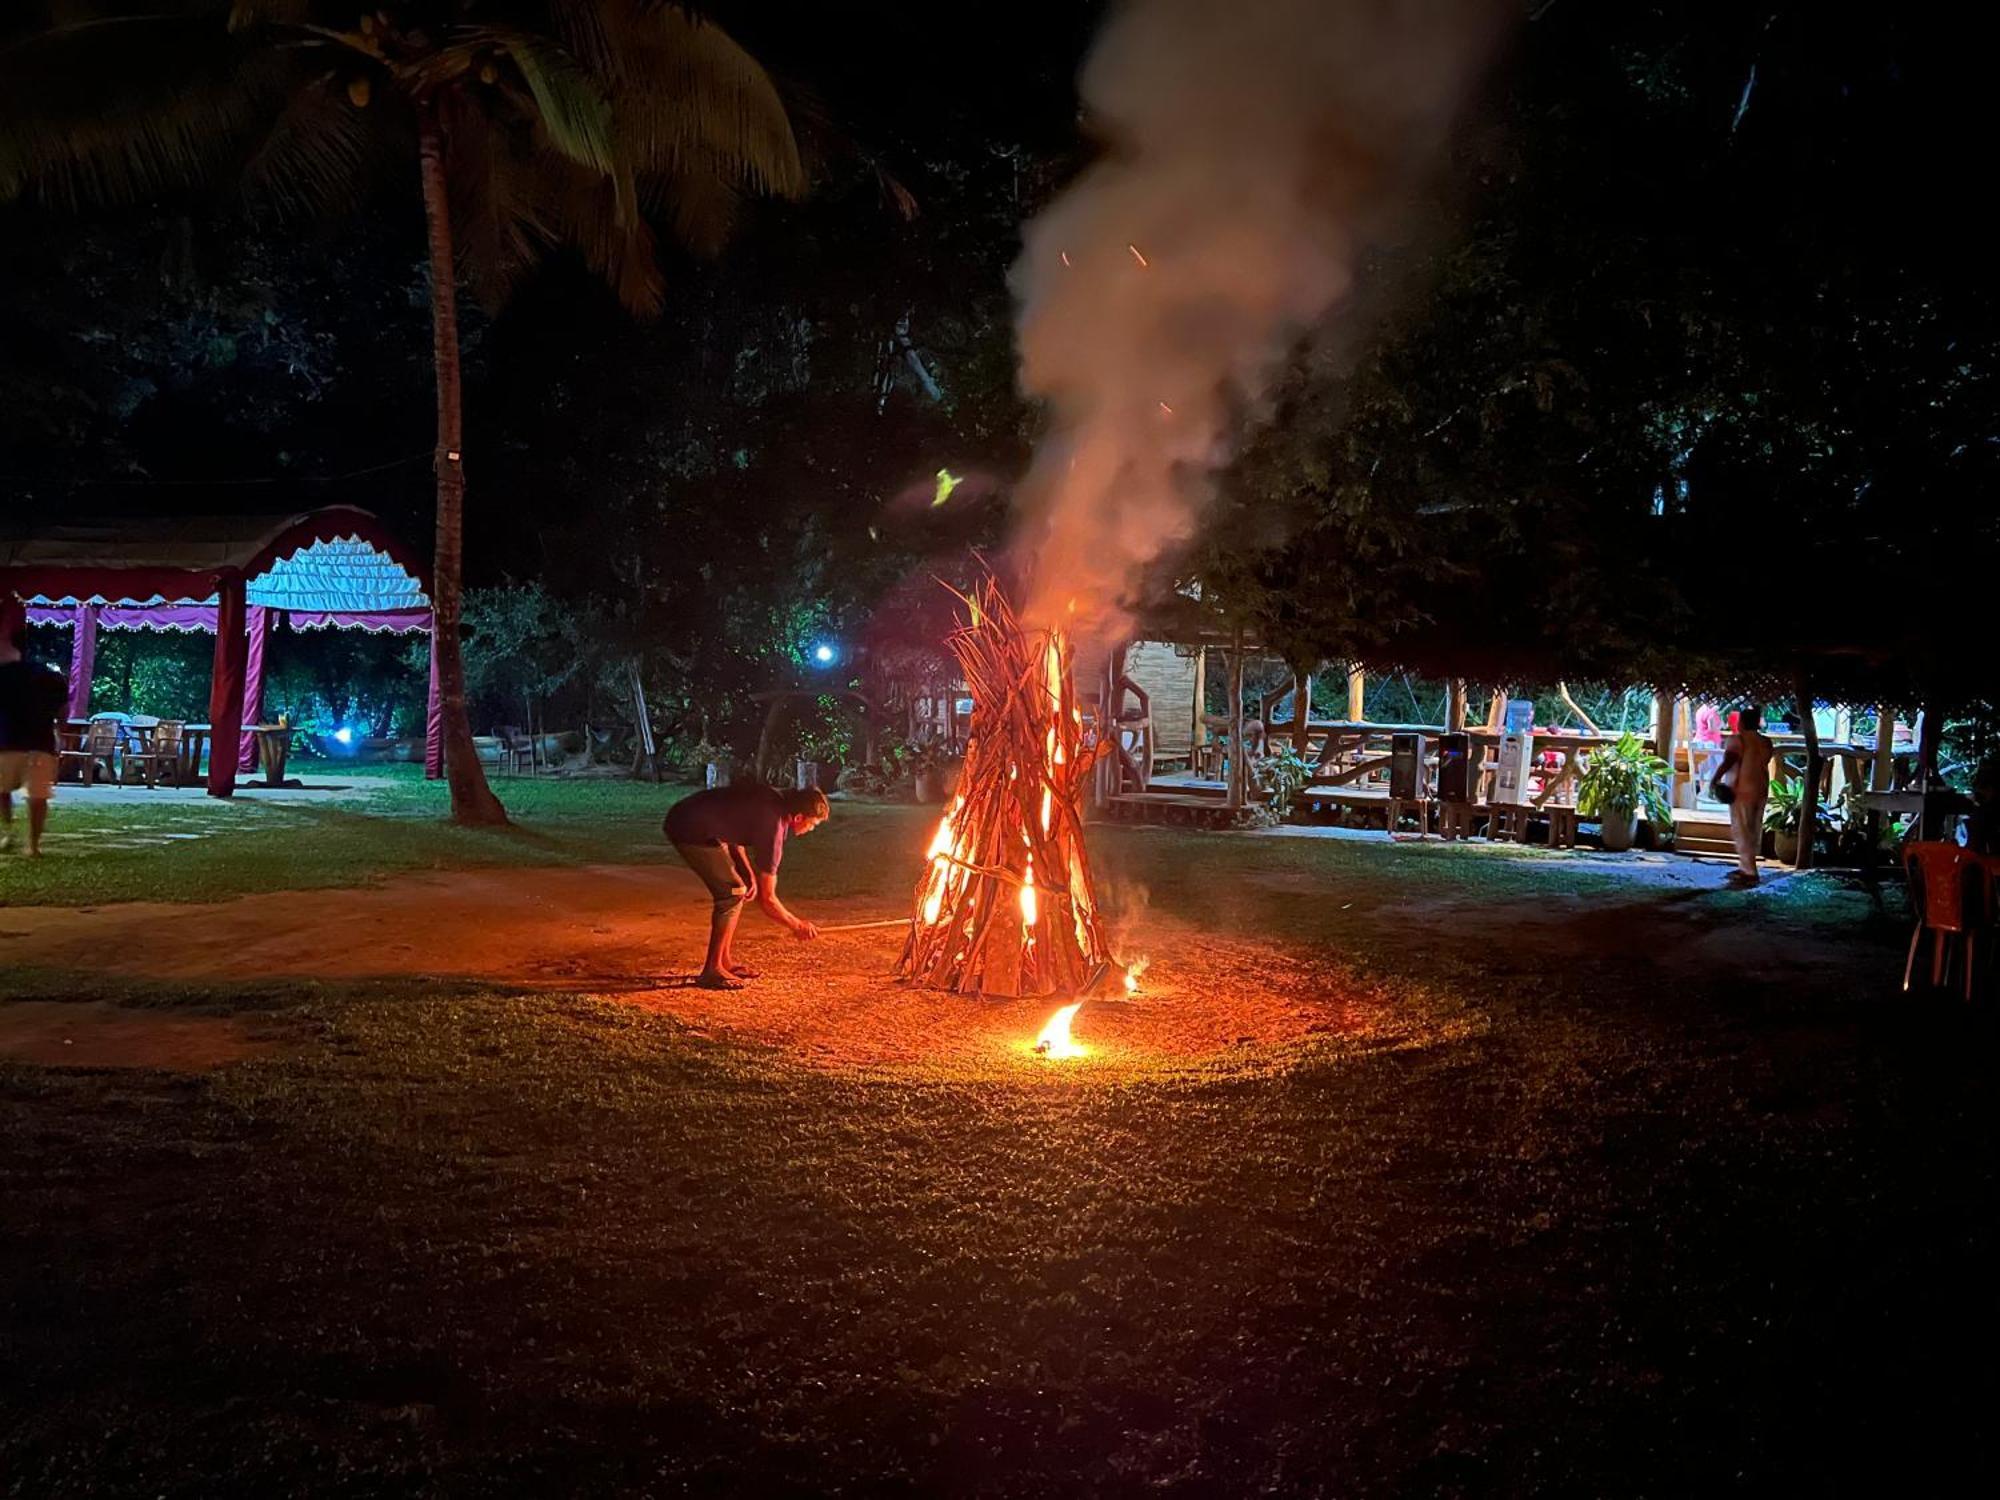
(630, 936)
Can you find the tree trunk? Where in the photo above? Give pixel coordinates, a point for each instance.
(472, 800)
(1809, 801)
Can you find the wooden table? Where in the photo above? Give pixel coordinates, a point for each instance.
(1542, 742)
(194, 740)
(274, 743)
(1855, 757)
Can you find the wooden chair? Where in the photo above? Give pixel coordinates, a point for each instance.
(1562, 824)
(98, 748)
(158, 755)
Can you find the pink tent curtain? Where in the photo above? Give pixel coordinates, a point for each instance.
(225, 687)
(82, 660)
(253, 684)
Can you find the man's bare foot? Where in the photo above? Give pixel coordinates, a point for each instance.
(707, 981)
(740, 971)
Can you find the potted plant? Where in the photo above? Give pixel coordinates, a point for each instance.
(823, 746)
(714, 761)
(1282, 775)
(1783, 814)
(1617, 785)
(934, 768)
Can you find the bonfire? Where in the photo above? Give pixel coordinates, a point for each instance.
(1005, 904)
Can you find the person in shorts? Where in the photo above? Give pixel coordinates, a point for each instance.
(733, 837)
(31, 700)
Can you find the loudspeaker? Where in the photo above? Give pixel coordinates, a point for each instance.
(1406, 767)
(1454, 768)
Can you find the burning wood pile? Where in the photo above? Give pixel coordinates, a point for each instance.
(1005, 905)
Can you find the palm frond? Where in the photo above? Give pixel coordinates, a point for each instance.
(244, 14)
(571, 107)
(498, 226)
(314, 160)
(583, 211)
(690, 91)
(585, 28)
(700, 205)
(128, 107)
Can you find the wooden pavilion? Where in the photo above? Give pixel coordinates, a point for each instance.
(235, 577)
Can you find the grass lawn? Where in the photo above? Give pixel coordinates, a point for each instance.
(1656, 1193)
(208, 850)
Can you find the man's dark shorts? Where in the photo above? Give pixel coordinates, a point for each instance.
(727, 881)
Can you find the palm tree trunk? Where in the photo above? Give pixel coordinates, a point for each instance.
(472, 800)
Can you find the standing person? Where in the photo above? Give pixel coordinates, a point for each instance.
(733, 837)
(1744, 782)
(31, 699)
(1708, 740)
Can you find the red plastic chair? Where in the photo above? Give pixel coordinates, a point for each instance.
(1986, 874)
(1937, 874)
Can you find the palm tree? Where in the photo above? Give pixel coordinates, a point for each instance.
(532, 124)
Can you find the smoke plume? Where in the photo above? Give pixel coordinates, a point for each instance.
(1254, 148)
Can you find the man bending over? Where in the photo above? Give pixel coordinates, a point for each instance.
(733, 837)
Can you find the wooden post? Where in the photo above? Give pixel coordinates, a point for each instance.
(1302, 697)
(1198, 731)
(1105, 782)
(1496, 710)
(1809, 801)
(1885, 747)
(1454, 708)
(1238, 780)
(1357, 694)
(1930, 735)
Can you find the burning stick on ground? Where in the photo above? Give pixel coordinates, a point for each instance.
(1005, 905)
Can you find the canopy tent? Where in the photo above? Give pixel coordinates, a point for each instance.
(233, 576)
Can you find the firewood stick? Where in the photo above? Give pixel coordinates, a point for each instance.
(865, 926)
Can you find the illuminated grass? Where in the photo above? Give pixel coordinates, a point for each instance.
(1627, 1192)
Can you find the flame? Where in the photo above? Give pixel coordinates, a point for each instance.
(1055, 1039)
(1132, 972)
(943, 849)
(1030, 906)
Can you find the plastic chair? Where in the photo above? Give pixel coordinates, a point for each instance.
(1986, 877)
(1937, 874)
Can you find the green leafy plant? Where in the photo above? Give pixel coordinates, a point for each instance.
(1283, 774)
(1786, 808)
(931, 755)
(1624, 779)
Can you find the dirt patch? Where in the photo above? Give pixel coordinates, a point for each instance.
(635, 934)
(95, 1034)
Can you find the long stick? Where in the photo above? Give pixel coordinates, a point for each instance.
(865, 926)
